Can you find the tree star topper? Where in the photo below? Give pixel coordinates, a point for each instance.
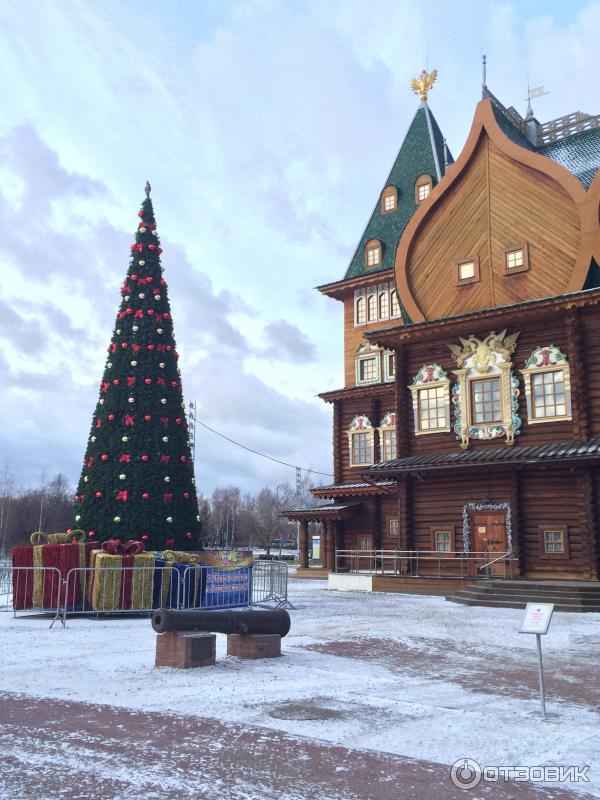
(422, 85)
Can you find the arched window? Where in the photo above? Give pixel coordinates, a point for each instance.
(423, 187)
(361, 311)
(396, 312)
(373, 253)
(389, 199)
(384, 305)
(372, 308)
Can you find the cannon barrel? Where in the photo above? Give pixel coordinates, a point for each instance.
(251, 621)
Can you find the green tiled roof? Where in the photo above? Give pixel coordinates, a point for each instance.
(579, 153)
(422, 153)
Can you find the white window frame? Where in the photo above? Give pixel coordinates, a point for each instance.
(389, 376)
(547, 359)
(430, 376)
(361, 425)
(394, 294)
(376, 356)
(360, 296)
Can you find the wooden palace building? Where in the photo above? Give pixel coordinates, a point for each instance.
(468, 428)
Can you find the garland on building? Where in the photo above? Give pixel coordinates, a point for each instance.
(137, 480)
(468, 507)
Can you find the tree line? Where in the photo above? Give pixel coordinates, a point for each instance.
(229, 518)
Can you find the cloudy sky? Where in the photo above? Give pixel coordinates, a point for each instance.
(267, 129)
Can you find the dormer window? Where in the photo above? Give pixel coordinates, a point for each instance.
(423, 187)
(467, 271)
(389, 199)
(373, 253)
(516, 259)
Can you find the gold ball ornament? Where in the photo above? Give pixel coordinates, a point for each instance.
(141, 295)
(157, 297)
(167, 479)
(141, 263)
(92, 438)
(134, 363)
(163, 400)
(162, 365)
(126, 298)
(77, 518)
(124, 438)
(130, 400)
(159, 330)
(135, 328)
(101, 401)
(169, 519)
(165, 438)
(85, 479)
(122, 476)
(116, 519)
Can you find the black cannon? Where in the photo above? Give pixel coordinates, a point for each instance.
(276, 621)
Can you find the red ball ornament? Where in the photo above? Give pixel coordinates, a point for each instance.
(104, 457)
(150, 312)
(91, 533)
(189, 534)
(129, 311)
(148, 381)
(124, 345)
(182, 458)
(139, 213)
(145, 457)
(174, 384)
(111, 417)
(145, 537)
(186, 495)
(145, 495)
(134, 277)
(116, 381)
(98, 494)
(150, 347)
(147, 417)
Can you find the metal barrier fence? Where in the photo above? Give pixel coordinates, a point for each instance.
(270, 583)
(138, 590)
(426, 563)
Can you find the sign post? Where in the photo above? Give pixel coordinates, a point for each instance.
(537, 620)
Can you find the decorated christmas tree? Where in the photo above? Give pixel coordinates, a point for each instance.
(137, 480)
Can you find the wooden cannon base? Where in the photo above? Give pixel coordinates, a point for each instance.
(190, 650)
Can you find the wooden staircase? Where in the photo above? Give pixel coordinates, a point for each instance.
(577, 596)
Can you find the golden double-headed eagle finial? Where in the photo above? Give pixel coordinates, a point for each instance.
(422, 85)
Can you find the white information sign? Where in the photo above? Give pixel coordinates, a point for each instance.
(537, 618)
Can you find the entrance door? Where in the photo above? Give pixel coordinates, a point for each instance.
(489, 537)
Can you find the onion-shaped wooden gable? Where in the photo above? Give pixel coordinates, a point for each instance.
(498, 196)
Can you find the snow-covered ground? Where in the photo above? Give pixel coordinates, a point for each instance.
(402, 674)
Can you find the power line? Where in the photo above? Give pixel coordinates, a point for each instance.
(258, 453)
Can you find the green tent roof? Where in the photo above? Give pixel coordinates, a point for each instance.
(422, 153)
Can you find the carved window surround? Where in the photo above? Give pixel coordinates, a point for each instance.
(477, 360)
(546, 360)
(430, 377)
(387, 426)
(359, 427)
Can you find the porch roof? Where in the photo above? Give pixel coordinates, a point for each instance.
(331, 510)
(555, 452)
(350, 489)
